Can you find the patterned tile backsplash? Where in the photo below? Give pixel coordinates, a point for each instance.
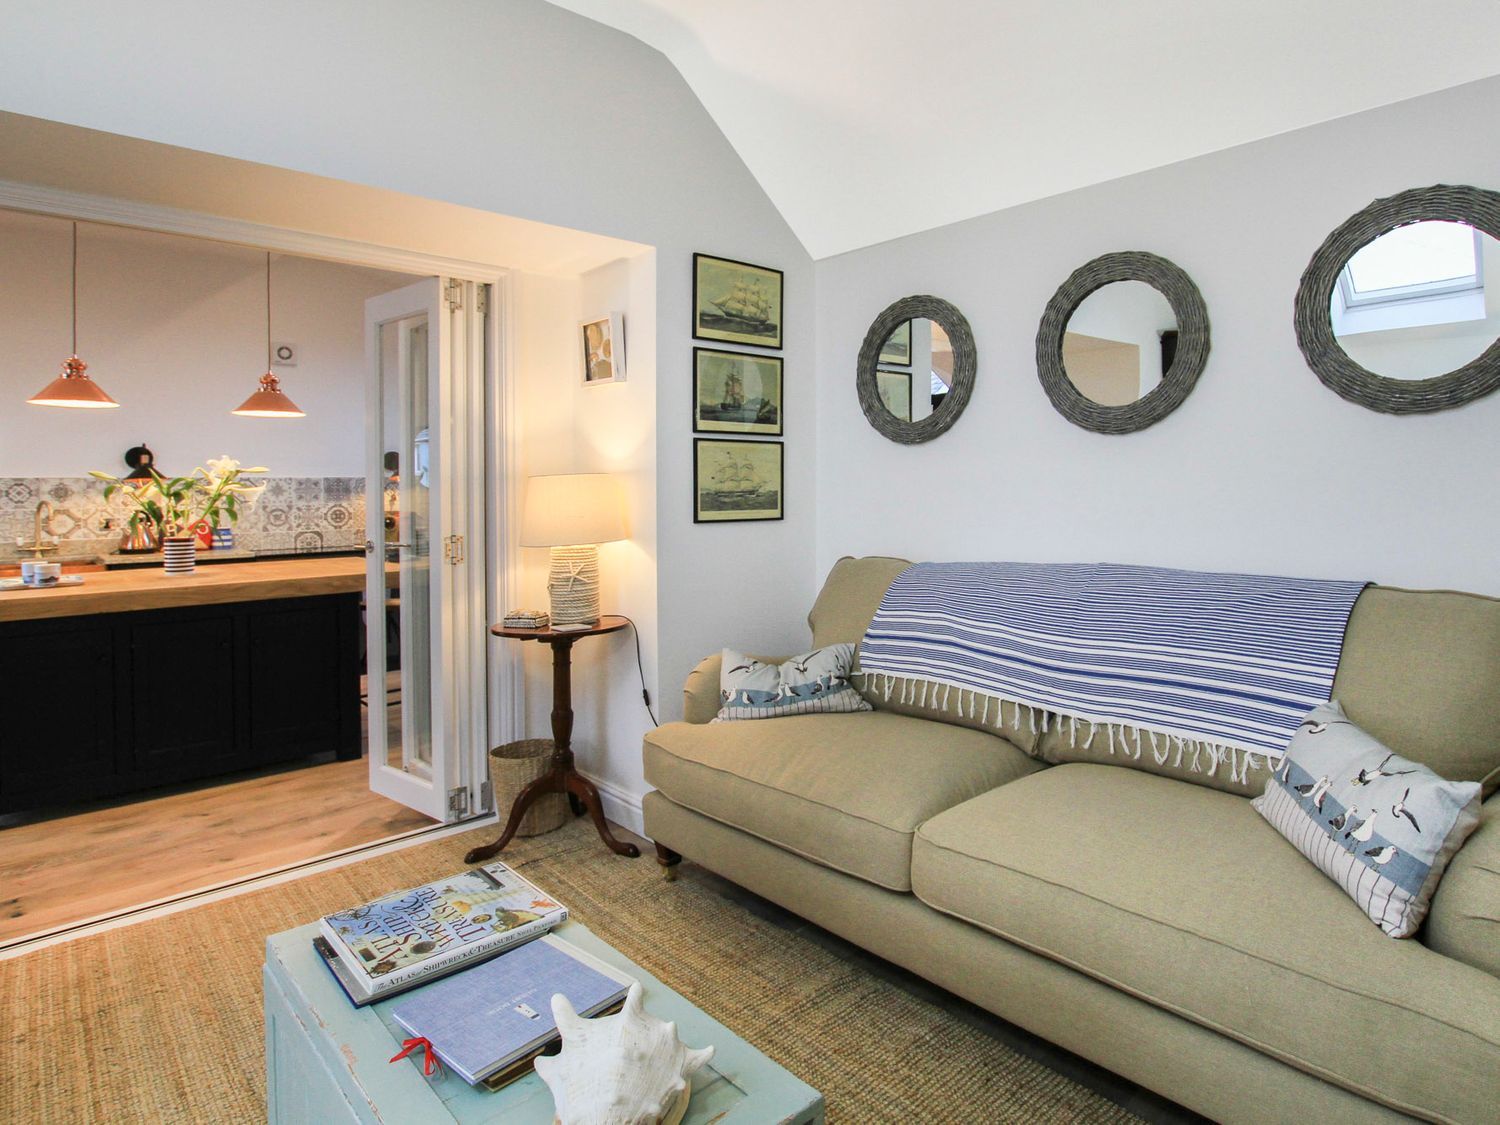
(292, 514)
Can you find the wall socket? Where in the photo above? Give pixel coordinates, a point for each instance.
(284, 355)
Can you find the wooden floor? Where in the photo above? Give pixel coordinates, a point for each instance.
(54, 872)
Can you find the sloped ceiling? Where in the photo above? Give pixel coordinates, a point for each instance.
(865, 120)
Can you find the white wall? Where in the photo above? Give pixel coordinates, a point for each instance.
(1262, 468)
(568, 427)
(174, 330)
(519, 108)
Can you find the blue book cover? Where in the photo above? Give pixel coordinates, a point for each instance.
(487, 1017)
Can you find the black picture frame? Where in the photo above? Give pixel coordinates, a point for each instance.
(728, 426)
(720, 327)
(731, 512)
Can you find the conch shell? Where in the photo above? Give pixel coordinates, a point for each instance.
(626, 1069)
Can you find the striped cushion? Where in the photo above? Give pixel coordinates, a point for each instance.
(1380, 826)
(815, 682)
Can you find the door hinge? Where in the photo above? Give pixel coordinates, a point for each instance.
(453, 549)
(453, 293)
(458, 800)
(482, 299)
(486, 796)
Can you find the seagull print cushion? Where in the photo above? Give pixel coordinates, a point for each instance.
(816, 681)
(1379, 825)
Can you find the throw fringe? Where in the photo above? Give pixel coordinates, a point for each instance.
(1201, 756)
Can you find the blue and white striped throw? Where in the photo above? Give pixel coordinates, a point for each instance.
(1233, 660)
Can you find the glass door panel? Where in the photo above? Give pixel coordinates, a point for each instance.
(407, 545)
(411, 758)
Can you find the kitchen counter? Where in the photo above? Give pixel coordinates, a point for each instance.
(121, 591)
(133, 680)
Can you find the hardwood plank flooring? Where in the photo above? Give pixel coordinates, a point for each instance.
(58, 871)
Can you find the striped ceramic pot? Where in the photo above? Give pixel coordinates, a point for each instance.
(180, 554)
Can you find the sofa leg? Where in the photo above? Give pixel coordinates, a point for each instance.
(669, 861)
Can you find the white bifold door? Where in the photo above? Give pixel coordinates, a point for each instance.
(425, 505)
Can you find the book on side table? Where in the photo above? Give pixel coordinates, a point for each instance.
(490, 1023)
(416, 935)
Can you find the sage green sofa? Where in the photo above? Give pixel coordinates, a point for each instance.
(1139, 914)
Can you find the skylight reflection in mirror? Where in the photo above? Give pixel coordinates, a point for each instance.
(1418, 260)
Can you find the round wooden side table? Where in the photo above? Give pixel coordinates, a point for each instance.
(563, 776)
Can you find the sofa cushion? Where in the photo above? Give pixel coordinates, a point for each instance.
(1464, 921)
(1186, 759)
(849, 598)
(1184, 897)
(1421, 672)
(846, 791)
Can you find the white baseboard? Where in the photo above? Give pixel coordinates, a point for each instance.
(620, 805)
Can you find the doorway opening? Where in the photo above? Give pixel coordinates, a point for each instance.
(247, 716)
(459, 573)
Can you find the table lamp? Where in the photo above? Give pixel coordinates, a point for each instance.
(572, 514)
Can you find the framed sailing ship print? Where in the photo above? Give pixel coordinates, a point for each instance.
(736, 392)
(897, 347)
(895, 392)
(734, 481)
(736, 303)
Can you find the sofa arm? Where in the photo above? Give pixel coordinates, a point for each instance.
(700, 694)
(1464, 922)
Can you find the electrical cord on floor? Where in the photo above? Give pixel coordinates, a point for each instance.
(641, 668)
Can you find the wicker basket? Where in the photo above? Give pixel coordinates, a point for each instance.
(513, 767)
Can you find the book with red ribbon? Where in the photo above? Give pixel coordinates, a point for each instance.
(431, 1064)
(494, 1019)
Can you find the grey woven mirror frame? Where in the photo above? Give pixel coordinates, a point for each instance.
(965, 361)
(1338, 371)
(1187, 364)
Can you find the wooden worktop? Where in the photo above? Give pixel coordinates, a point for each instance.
(121, 591)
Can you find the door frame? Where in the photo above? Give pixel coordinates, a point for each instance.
(499, 665)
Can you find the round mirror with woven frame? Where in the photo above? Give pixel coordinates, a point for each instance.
(1188, 359)
(1342, 373)
(877, 363)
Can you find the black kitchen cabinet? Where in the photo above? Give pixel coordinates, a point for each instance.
(113, 703)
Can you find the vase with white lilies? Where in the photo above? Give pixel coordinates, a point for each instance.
(172, 506)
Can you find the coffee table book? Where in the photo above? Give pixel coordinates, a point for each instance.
(491, 1017)
(404, 939)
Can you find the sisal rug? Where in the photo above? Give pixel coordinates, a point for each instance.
(161, 1021)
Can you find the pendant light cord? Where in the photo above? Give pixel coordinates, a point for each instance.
(268, 311)
(75, 287)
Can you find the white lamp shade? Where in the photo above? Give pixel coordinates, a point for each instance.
(577, 508)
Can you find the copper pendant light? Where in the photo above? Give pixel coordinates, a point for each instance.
(73, 388)
(269, 401)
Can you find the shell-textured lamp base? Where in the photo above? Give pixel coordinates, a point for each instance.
(573, 585)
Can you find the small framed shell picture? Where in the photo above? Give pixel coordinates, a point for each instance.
(603, 342)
